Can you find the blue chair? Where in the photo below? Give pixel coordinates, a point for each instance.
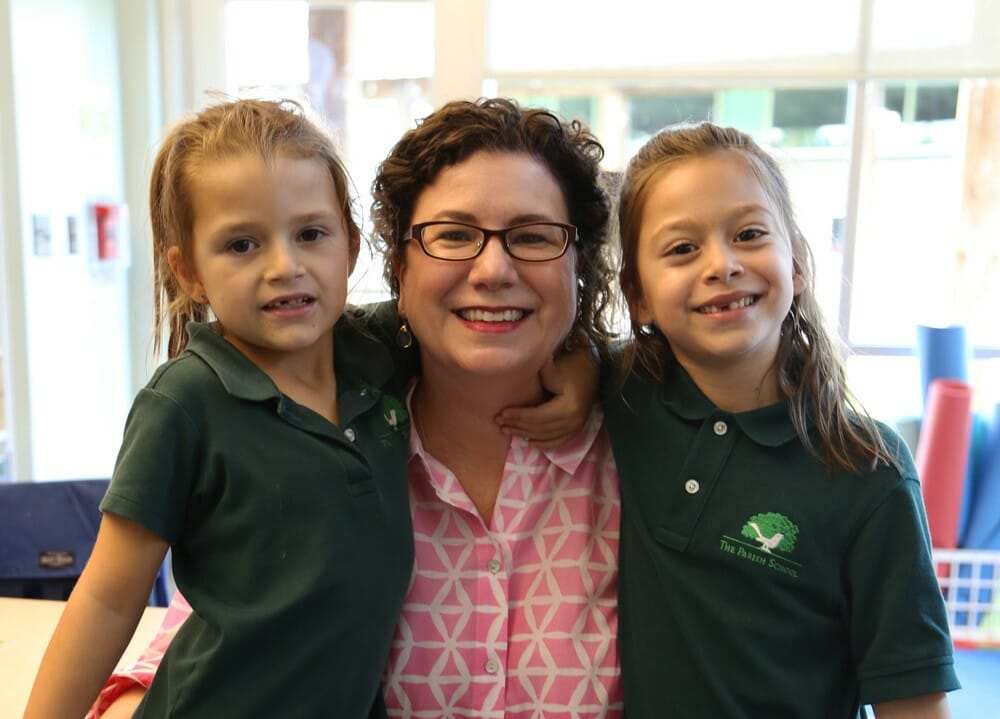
(47, 531)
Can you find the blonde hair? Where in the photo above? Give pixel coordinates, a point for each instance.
(809, 366)
(268, 128)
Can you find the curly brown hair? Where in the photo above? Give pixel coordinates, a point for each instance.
(268, 128)
(460, 129)
(809, 364)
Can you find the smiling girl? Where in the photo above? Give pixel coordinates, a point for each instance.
(775, 559)
(261, 453)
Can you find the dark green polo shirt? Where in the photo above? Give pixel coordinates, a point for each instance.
(755, 582)
(290, 537)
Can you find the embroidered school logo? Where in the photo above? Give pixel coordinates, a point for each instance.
(396, 419)
(772, 531)
(763, 540)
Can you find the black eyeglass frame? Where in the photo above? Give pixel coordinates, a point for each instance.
(416, 232)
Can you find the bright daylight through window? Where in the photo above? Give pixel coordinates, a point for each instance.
(884, 120)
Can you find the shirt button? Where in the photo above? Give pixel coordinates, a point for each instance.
(349, 433)
(364, 392)
(691, 486)
(720, 428)
(493, 565)
(492, 666)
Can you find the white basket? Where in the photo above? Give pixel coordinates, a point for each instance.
(970, 583)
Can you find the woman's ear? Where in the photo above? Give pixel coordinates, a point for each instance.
(398, 273)
(185, 277)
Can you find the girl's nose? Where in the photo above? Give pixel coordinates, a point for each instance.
(283, 261)
(493, 267)
(723, 263)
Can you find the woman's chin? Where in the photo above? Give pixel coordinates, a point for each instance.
(494, 367)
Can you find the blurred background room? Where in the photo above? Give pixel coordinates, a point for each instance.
(884, 113)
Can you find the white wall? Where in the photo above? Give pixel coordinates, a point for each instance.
(66, 119)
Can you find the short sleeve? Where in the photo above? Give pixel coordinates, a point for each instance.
(157, 465)
(899, 628)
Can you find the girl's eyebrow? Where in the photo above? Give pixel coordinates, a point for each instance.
(689, 224)
(737, 211)
(238, 224)
(681, 224)
(749, 208)
(318, 216)
(231, 227)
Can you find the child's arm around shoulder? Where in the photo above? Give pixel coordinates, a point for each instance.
(925, 706)
(571, 378)
(99, 619)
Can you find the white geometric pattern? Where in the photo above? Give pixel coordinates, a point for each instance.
(517, 620)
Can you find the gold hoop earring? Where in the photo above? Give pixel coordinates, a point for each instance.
(404, 338)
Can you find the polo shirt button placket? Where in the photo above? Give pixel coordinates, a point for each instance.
(720, 428)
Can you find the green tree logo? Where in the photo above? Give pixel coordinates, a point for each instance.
(397, 421)
(394, 412)
(772, 531)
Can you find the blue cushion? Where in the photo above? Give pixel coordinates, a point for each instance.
(47, 531)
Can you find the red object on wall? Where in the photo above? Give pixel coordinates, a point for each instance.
(106, 217)
(943, 456)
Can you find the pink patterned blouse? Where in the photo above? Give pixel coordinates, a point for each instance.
(516, 620)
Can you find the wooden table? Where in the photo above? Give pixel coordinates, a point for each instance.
(25, 628)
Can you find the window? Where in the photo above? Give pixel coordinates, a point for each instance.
(811, 117)
(325, 54)
(922, 102)
(649, 113)
(580, 108)
(898, 234)
(903, 214)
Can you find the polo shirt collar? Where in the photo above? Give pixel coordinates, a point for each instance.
(240, 377)
(361, 363)
(769, 426)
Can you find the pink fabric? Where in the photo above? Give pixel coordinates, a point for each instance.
(531, 637)
(141, 673)
(534, 635)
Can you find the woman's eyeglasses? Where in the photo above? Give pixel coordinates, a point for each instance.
(530, 242)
